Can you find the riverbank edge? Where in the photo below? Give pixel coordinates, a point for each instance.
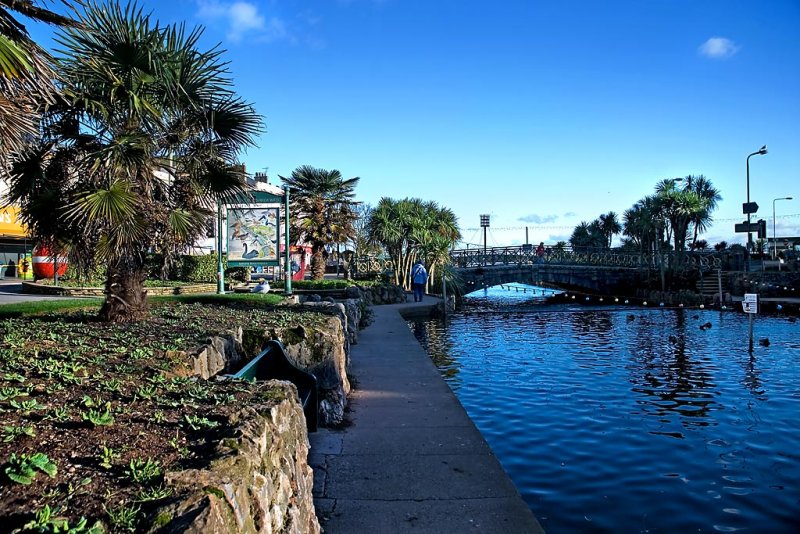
(411, 459)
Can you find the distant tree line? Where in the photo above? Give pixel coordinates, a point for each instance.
(674, 216)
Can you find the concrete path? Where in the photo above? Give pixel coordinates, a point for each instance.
(412, 460)
(11, 292)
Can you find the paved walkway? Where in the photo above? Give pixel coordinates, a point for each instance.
(412, 460)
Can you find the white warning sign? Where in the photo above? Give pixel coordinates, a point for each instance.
(750, 303)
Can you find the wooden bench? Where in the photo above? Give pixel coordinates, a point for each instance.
(272, 364)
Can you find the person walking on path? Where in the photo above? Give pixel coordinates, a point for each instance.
(418, 278)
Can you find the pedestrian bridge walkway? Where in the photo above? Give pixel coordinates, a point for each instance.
(604, 271)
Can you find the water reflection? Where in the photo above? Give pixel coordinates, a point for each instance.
(671, 377)
(630, 416)
(439, 347)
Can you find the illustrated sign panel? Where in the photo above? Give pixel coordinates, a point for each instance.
(253, 235)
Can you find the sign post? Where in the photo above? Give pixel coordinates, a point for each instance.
(220, 267)
(750, 307)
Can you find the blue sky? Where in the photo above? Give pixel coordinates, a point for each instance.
(542, 114)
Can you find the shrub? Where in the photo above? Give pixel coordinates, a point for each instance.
(201, 269)
(96, 277)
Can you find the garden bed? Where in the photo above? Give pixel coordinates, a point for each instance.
(94, 415)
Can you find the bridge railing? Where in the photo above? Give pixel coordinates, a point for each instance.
(526, 255)
(368, 265)
(521, 255)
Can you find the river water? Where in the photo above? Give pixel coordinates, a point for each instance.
(623, 419)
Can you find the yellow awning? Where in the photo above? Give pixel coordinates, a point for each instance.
(10, 224)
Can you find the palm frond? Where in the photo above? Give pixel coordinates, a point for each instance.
(115, 205)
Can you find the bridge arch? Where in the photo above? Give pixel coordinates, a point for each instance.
(590, 279)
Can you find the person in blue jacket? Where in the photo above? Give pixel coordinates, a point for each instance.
(418, 278)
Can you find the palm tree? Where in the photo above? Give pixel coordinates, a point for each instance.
(360, 240)
(641, 223)
(609, 226)
(588, 236)
(26, 75)
(323, 208)
(433, 235)
(703, 187)
(412, 229)
(135, 155)
(581, 236)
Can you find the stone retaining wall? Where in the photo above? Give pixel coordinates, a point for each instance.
(323, 352)
(42, 289)
(387, 294)
(258, 480)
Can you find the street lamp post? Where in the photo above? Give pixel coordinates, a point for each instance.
(774, 237)
(760, 152)
(484, 225)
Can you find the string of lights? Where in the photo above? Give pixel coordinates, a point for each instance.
(572, 227)
(587, 298)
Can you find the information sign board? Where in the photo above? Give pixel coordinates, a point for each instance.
(750, 303)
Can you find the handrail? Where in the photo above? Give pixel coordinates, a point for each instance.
(522, 255)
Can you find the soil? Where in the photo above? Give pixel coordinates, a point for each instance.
(101, 401)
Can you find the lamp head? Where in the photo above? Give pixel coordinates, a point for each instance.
(762, 150)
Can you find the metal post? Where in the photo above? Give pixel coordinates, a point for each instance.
(660, 257)
(484, 245)
(719, 285)
(484, 225)
(444, 298)
(220, 268)
(749, 233)
(287, 260)
(750, 345)
(761, 151)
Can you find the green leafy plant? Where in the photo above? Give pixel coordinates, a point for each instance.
(14, 338)
(14, 377)
(98, 417)
(147, 391)
(140, 353)
(89, 402)
(44, 521)
(10, 433)
(11, 393)
(107, 457)
(196, 391)
(123, 518)
(143, 471)
(153, 494)
(22, 469)
(199, 423)
(113, 385)
(59, 414)
(26, 407)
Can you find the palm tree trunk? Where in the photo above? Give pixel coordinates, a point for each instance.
(317, 262)
(407, 263)
(126, 298)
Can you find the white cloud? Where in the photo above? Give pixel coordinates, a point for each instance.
(539, 219)
(243, 20)
(718, 48)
